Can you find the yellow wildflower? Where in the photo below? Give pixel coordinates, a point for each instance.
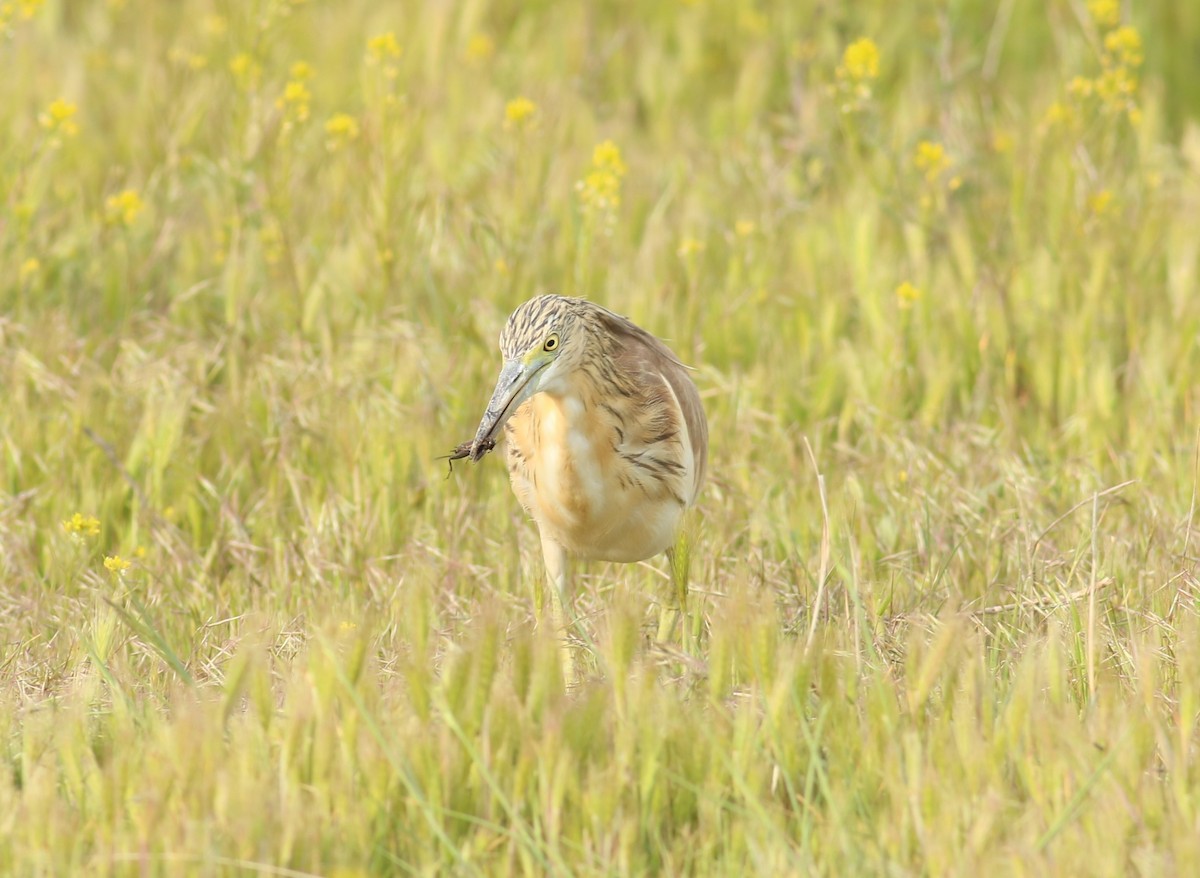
(906, 296)
(600, 189)
(123, 208)
(116, 565)
(860, 61)
(301, 71)
(384, 50)
(518, 112)
(1101, 203)
(341, 128)
(1105, 13)
(139, 552)
(859, 68)
(744, 228)
(1125, 46)
(29, 268)
(607, 157)
(480, 47)
(501, 267)
(1116, 87)
(689, 247)
(382, 47)
(81, 525)
(21, 9)
(58, 118)
(1057, 112)
(294, 102)
(246, 71)
(931, 158)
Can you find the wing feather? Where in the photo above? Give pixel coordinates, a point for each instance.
(644, 358)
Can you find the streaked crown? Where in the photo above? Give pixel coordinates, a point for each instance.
(535, 321)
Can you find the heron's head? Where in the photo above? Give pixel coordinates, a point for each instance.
(542, 342)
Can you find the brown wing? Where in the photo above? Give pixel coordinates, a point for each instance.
(642, 358)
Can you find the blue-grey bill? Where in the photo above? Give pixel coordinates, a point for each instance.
(512, 388)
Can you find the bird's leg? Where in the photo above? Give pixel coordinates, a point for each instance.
(557, 600)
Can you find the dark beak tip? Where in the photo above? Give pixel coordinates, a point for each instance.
(480, 447)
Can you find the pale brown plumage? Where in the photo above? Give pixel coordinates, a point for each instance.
(606, 437)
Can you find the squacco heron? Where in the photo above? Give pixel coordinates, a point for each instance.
(606, 437)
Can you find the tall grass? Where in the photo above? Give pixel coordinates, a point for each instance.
(936, 265)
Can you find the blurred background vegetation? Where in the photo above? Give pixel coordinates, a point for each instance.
(254, 258)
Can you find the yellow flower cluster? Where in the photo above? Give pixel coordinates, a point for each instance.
(1115, 89)
(1123, 46)
(480, 48)
(81, 525)
(519, 112)
(123, 208)
(1106, 13)
(294, 102)
(246, 71)
(58, 118)
(859, 68)
(340, 129)
(1101, 203)
(931, 158)
(934, 163)
(116, 565)
(600, 189)
(17, 10)
(382, 51)
(382, 47)
(860, 61)
(906, 296)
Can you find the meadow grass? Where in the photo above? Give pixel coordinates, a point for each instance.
(936, 265)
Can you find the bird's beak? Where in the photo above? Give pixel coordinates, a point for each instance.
(517, 382)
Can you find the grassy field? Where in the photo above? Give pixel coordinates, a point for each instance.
(936, 265)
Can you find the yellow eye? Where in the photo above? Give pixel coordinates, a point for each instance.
(551, 343)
